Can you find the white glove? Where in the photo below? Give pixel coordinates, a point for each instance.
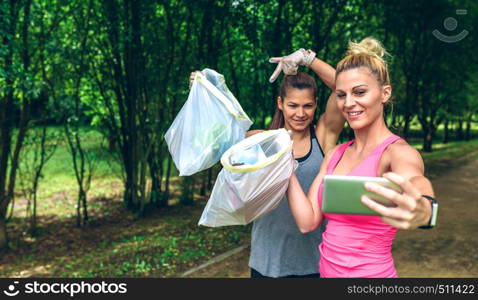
(290, 63)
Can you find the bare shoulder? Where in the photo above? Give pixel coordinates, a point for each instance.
(401, 154)
(402, 148)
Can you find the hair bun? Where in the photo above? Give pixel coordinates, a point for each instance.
(368, 46)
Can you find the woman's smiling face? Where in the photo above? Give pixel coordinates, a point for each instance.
(298, 108)
(360, 97)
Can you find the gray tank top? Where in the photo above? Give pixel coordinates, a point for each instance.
(278, 248)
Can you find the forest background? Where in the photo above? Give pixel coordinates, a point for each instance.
(88, 89)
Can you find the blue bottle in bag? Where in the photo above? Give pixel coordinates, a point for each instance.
(250, 156)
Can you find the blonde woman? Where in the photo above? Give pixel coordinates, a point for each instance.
(357, 245)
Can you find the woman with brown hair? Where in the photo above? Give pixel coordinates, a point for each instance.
(278, 248)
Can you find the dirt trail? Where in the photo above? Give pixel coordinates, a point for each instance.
(449, 250)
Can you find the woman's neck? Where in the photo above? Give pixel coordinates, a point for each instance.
(369, 137)
(298, 135)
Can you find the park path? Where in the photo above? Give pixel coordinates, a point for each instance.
(449, 250)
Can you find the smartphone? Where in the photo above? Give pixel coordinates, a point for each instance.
(341, 194)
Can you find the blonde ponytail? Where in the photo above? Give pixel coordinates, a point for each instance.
(367, 53)
(368, 46)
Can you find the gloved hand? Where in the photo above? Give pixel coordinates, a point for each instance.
(191, 78)
(290, 63)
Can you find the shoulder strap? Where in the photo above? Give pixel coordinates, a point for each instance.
(377, 154)
(314, 136)
(337, 156)
(390, 140)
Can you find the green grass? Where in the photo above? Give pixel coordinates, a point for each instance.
(165, 243)
(58, 182)
(115, 244)
(449, 151)
(447, 155)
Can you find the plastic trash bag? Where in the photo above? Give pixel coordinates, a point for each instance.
(210, 121)
(249, 156)
(254, 179)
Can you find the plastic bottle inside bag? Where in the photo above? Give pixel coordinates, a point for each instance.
(250, 156)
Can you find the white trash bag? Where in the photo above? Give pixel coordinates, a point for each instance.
(253, 181)
(210, 121)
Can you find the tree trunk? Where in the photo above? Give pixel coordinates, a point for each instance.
(129, 190)
(427, 145)
(25, 108)
(6, 120)
(468, 127)
(202, 192)
(165, 196)
(78, 210)
(209, 178)
(406, 127)
(85, 207)
(187, 190)
(111, 143)
(446, 133)
(155, 195)
(459, 130)
(429, 133)
(33, 220)
(3, 234)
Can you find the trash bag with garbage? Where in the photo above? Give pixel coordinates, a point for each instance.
(254, 179)
(210, 121)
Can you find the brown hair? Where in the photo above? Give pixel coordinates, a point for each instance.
(300, 81)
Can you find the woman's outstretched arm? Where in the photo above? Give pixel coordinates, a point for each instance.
(407, 170)
(305, 208)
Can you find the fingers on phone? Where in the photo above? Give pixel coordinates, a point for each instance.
(396, 223)
(384, 191)
(393, 213)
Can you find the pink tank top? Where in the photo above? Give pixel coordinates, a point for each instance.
(356, 245)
